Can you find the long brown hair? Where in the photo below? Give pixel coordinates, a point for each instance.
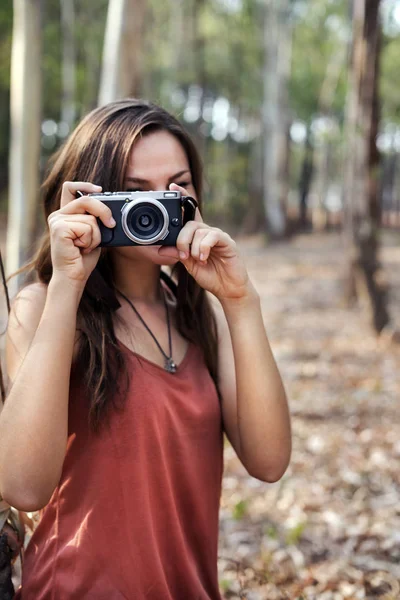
(98, 151)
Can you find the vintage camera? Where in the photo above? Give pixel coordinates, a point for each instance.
(145, 218)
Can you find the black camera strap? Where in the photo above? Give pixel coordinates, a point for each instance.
(189, 205)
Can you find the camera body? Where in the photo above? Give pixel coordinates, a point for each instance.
(145, 218)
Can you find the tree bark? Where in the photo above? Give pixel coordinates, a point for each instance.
(25, 133)
(277, 64)
(254, 220)
(319, 170)
(121, 70)
(68, 67)
(199, 70)
(306, 176)
(366, 280)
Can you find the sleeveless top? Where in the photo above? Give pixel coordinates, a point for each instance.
(135, 514)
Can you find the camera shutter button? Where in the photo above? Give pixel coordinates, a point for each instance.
(175, 222)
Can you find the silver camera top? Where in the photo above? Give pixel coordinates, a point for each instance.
(157, 195)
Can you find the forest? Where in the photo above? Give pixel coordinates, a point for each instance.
(295, 107)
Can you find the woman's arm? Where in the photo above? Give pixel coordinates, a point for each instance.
(40, 344)
(34, 420)
(255, 409)
(254, 405)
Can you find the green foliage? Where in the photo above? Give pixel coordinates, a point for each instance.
(293, 535)
(5, 60)
(5, 43)
(225, 585)
(318, 36)
(272, 532)
(390, 80)
(204, 43)
(240, 510)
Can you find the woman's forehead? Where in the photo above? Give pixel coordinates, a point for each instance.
(156, 146)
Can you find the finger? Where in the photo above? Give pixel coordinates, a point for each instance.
(169, 252)
(93, 206)
(185, 238)
(178, 188)
(79, 233)
(174, 187)
(70, 188)
(79, 218)
(198, 217)
(198, 237)
(90, 222)
(85, 237)
(212, 238)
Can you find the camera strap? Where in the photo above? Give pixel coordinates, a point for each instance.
(189, 205)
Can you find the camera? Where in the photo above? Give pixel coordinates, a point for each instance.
(145, 218)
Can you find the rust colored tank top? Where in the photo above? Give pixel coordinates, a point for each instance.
(135, 514)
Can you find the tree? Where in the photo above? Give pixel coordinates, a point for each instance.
(361, 200)
(120, 76)
(277, 46)
(317, 95)
(68, 101)
(25, 131)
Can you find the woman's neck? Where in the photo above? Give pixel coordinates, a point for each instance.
(138, 280)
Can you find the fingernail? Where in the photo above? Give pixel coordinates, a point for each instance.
(98, 187)
(202, 256)
(112, 222)
(182, 255)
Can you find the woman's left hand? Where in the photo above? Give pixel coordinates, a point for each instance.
(211, 257)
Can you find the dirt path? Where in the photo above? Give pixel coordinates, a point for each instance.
(330, 529)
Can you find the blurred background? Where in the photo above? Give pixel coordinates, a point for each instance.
(295, 107)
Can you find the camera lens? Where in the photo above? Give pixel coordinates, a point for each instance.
(145, 222)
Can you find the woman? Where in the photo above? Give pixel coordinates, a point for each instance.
(126, 455)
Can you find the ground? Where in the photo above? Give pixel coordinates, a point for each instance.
(330, 528)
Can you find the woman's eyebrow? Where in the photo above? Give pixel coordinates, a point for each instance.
(144, 181)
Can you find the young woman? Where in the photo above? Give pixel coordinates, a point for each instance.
(124, 453)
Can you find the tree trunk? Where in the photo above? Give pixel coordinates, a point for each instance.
(199, 70)
(388, 187)
(68, 102)
(361, 200)
(277, 63)
(320, 185)
(319, 169)
(25, 133)
(254, 219)
(121, 72)
(306, 176)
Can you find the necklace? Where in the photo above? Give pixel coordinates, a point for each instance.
(169, 364)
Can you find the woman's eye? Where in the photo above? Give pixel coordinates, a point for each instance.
(184, 183)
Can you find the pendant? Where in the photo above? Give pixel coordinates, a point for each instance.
(169, 365)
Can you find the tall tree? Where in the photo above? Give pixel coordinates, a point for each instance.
(25, 131)
(121, 73)
(68, 66)
(361, 199)
(277, 47)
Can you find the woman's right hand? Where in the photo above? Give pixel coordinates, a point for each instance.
(75, 234)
